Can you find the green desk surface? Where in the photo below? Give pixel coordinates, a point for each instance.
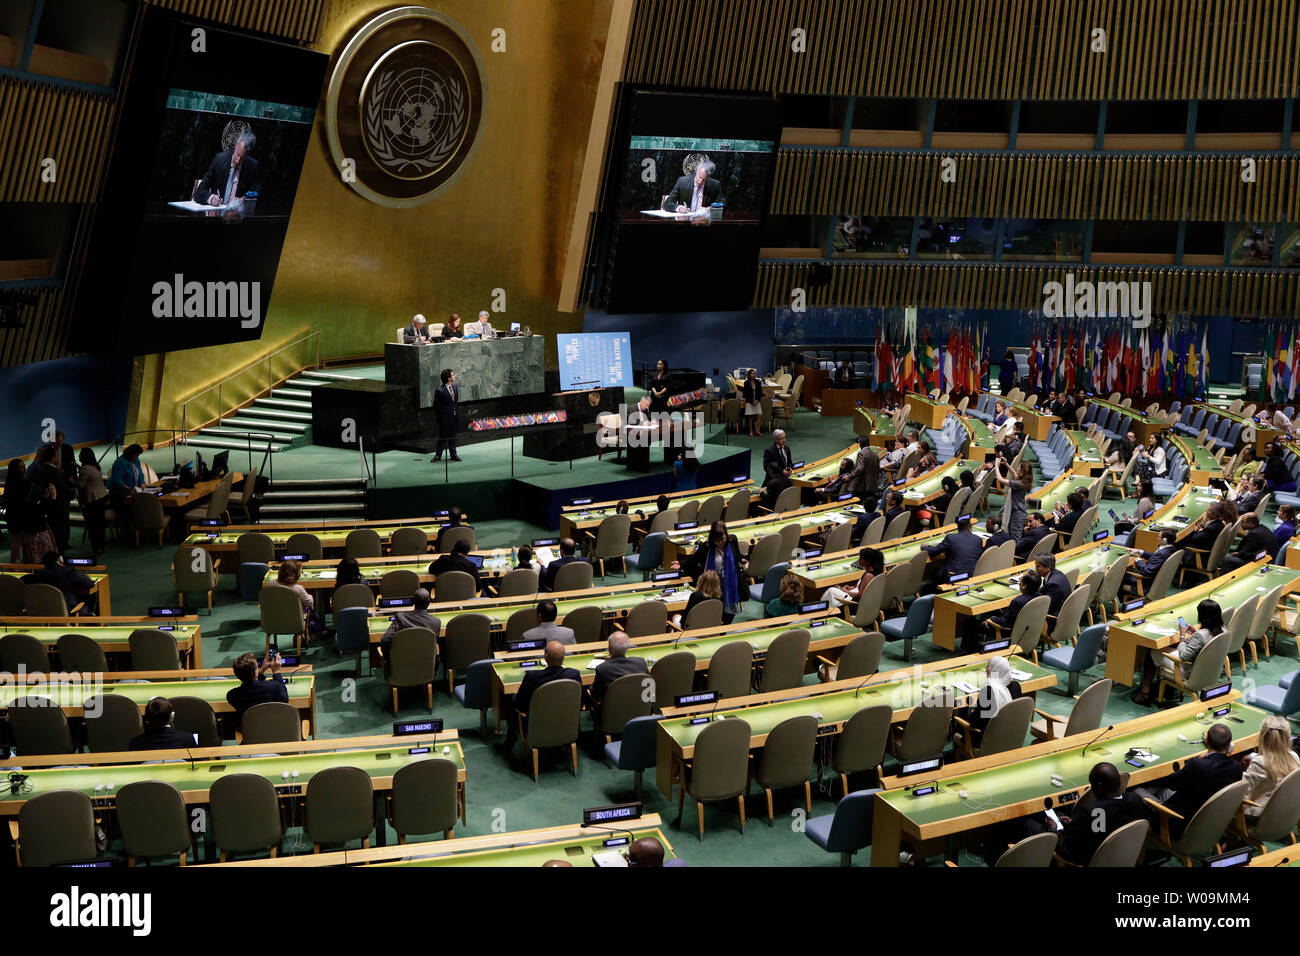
(980, 434)
(1085, 449)
(108, 634)
(1198, 456)
(828, 467)
(1164, 623)
(586, 515)
(1025, 780)
(492, 565)
(1003, 589)
(1194, 504)
(931, 483)
(1048, 498)
(213, 691)
(579, 852)
(809, 521)
(915, 398)
(329, 537)
(509, 674)
(1025, 409)
(881, 423)
(836, 708)
(499, 611)
(377, 762)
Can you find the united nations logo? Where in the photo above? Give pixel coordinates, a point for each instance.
(233, 130)
(405, 106)
(691, 161)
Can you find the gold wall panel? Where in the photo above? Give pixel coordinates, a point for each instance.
(291, 19)
(38, 120)
(1243, 292)
(1035, 185)
(357, 271)
(973, 49)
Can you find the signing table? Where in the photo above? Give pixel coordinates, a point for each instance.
(831, 705)
(1155, 626)
(977, 793)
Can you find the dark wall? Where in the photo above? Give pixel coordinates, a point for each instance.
(698, 340)
(86, 397)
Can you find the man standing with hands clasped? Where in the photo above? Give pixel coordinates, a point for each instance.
(444, 406)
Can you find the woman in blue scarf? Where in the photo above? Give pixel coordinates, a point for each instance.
(721, 553)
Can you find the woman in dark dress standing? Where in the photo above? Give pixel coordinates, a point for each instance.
(659, 388)
(719, 552)
(1007, 372)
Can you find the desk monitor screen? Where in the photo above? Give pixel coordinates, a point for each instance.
(921, 766)
(294, 557)
(514, 327)
(1101, 536)
(534, 645)
(997, 644)
(1134, 605)
(79, 562)
(545, 542)
(700, 697)
(739, 479)
(162, 611)
(476, 560)
(212, 522)
(665, 576)
(394, 602)
(594, 360)
(1216, 690)
(814, 606)
(1231, 858)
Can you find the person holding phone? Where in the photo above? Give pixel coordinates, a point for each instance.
(256, 687)
(1209, 617)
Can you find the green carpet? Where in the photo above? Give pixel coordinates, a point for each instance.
(142, 577)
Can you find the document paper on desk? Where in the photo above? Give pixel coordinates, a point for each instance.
(190, 205)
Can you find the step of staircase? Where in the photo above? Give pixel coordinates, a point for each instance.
(204, 440)
(250, 420)
(287, 404)
(284, 484)
(278, 495)
(301, 395)
(321, 375)
(263, 409)
(307, 511)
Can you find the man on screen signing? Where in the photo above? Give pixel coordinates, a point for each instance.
(692, 193)
(232, 173)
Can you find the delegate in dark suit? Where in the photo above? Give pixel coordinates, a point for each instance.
(778, 457)
(996, 538)
(214, 181)
(552, 569)
(1030, 538)
(1202, 540)
(866, 474)
(455, 562)
(535, 679)
(1003, 619)
(962, 550)
(684, 189)
(445, 408)
(76, 586)
(1146, 566)
(165, 739)
(1057, 587)
(611, 670)
(1200, 779)
(416, 334)
(1094, 820)
(1254, 541)
(253, 692)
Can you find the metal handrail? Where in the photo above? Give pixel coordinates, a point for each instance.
(264, 361)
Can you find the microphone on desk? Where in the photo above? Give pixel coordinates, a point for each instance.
(1084, 751)
(631, 837)
(191, 757)
(863, 684)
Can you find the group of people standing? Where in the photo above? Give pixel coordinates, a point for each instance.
(38, 500)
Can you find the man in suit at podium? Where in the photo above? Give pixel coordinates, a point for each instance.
(693, 193)
(444, 406)
(482, 328)
(232, 173)
(417, 333)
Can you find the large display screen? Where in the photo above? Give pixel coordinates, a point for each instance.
(594, 360)
(213, 130)
(685, 199)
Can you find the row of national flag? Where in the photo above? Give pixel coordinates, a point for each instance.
(958, 363)
(1133, 362)
(1278, 383)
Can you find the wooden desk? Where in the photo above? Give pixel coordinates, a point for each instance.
(1155, 627)
(926, 411)
(1087, 456)
(1285, 856)
(321, 575)
(577, 518)
(1143, 427)
(827, 631)
(1018, 782)
(1178, 514)
(927, 486)
(959, 603)
(97, 573)
(812, 521)
(831, 704)
(113, 633)
(519, 848)
(821, 471)
(1201, 464)
(1263, 433)
(1037, 424)
(193, 497)
(1056, 491)
(223, 542)
(874, 423)
(379, 756)
(71, 691)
